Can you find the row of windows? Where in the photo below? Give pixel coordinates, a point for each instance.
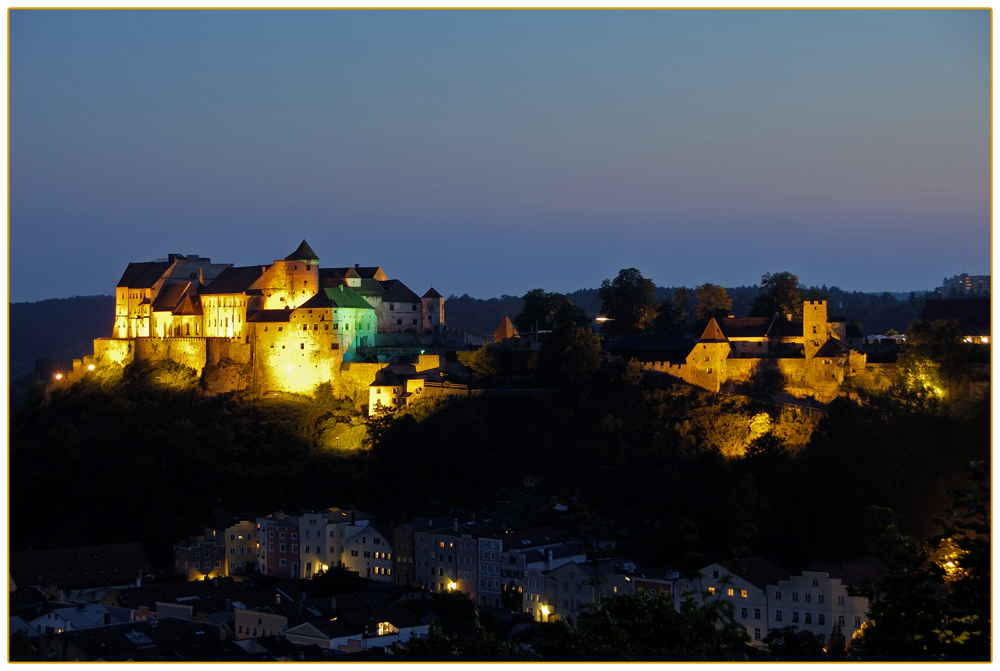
(807, 598)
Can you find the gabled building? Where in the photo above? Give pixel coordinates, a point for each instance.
(294, 324)
(199, 558)
(744, 583)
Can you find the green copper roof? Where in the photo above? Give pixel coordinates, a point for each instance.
(346, 297)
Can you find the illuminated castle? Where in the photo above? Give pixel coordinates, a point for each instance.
(290, 325)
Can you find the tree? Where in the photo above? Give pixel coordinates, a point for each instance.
(640, 627)
(572, 354)
(791, 645)
(934, 360)
(682, 301)
(484, 362)
(669, 319)
(904, 614)
(962, 551)
(627, 302)
(780, 293)
(713, 301)
(544, 311)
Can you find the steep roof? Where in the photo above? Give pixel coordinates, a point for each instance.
(234, 280)
(121, 562)
(745, 327)
(143, 275)
(337, 273)
(785, 328)
(371, 272)
(397, 292)
(371, 287)
(832, 349)
(853, 573)
(303, 253)
(757, 570)
(712, 333)
(973, 314)
(505, 330)
(346, 297)
(270, 316)
(431, 293)
(190, 305)
(170, 296)
(653, 346)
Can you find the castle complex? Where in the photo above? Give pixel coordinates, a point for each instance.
(288, 326)
(811, 355)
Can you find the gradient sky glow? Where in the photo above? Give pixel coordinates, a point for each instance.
(491, 152)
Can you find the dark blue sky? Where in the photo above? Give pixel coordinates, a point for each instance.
(490, 152)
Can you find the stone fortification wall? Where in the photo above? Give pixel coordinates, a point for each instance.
(190, 352)
(354, 380)
(224, 349)
(294, 359)
(113, 350)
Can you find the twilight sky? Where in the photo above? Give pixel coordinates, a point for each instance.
(490, 152)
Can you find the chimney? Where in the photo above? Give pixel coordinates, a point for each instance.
(357, 265)
(454, 526)
(548, 560)
(333, 603)
(277, 598)
(107, 618)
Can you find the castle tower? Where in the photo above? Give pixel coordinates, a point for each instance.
(815, 329)
(433, 311)
(291, 281)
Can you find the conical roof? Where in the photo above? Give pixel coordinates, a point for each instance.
(505, 330)
(712, 333)
(303, 253)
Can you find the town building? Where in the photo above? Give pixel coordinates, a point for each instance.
(964, 284)
(766, 597)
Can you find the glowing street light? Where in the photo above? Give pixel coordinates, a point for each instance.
(58, 376)
(90, 367)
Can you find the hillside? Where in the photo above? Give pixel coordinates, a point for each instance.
(665, 470)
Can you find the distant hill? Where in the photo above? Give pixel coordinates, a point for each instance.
(877, 312)
(60, 328)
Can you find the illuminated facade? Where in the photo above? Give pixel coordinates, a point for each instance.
(813, 355)
(294, 323)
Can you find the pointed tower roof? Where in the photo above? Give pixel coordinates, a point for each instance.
(303, 253)
(712, 333)
(505, 330)
(431, 293)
